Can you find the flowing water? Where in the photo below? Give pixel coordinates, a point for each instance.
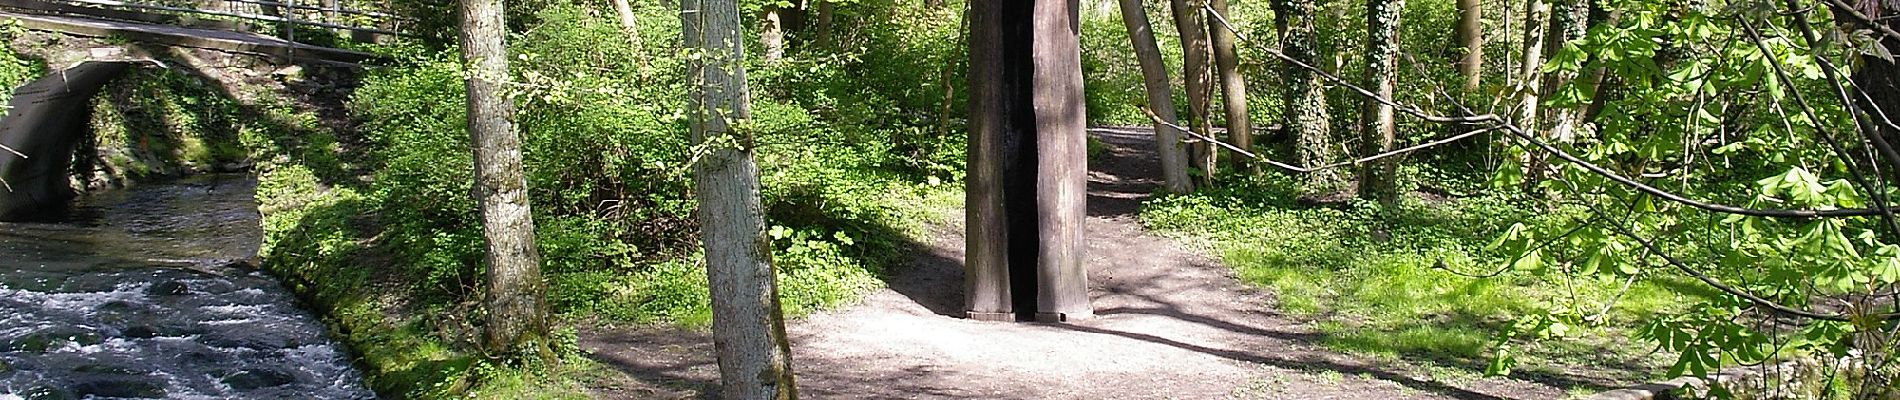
(147, 293)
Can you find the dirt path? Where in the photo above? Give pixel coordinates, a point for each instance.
(1172, 325)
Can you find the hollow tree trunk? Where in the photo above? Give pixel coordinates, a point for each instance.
(1154, 74)
(748, 326)
(1233, 86)
(516, 321)
(1026, 187)
(1378, 133)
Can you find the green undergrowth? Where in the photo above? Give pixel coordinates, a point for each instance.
(154, 122)
(377, 229)
(1415, 282)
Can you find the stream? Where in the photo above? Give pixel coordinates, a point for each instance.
(147, 292)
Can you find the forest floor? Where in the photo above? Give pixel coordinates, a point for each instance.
(1172, 324)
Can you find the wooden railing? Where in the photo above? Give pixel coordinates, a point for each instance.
(279, 17)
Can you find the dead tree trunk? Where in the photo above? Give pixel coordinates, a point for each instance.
(1026, 186)
(1154, 74)
(748, 328)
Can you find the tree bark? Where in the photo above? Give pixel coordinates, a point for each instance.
(1028, 163)
(629, 22)
(989, 290)
(1195, 51)
(1470, 33)
(1536, 15)
(771, 34)
(1154, 74)
(748, 326)
(1378, 134)
(517, 308)
(822, 24)
(1233, 86)
(1305, 94)
(1568, 23)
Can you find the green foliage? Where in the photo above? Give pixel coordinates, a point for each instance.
(15, 68)
(850, 166)
(155, 123)
(1416, 282)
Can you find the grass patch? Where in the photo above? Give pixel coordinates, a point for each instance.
(1382, 283)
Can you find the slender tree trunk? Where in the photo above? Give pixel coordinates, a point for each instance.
(1195, 51)
(1876, 83)
(748, 328)
(1568, 22)
(1600, 84)
(1536, 16)
(1233, 86)
(771, 34)
(1470, 33)
(822, 24)
(517, 309)
(630, 24)
(1154, 74)
(1378, 134)
(1305, 95)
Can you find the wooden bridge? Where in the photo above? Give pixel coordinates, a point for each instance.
(46, 118)
(270, 28)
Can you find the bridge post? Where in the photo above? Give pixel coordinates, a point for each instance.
(1026, 187)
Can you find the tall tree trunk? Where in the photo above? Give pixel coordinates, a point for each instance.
(771, 33)
(1195, 51)
(629, 22)
(1154, 78)
(1536, 16)
(1599, 82)
(748, 326)
(630, 25)
(1378, 134)
(1568, 23)
(1470, 33)
(517, 307)
(1233, 86)
(1062, 163)
(821, 26)
(1028, 163)
(1305, 95)
(1876, 84)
